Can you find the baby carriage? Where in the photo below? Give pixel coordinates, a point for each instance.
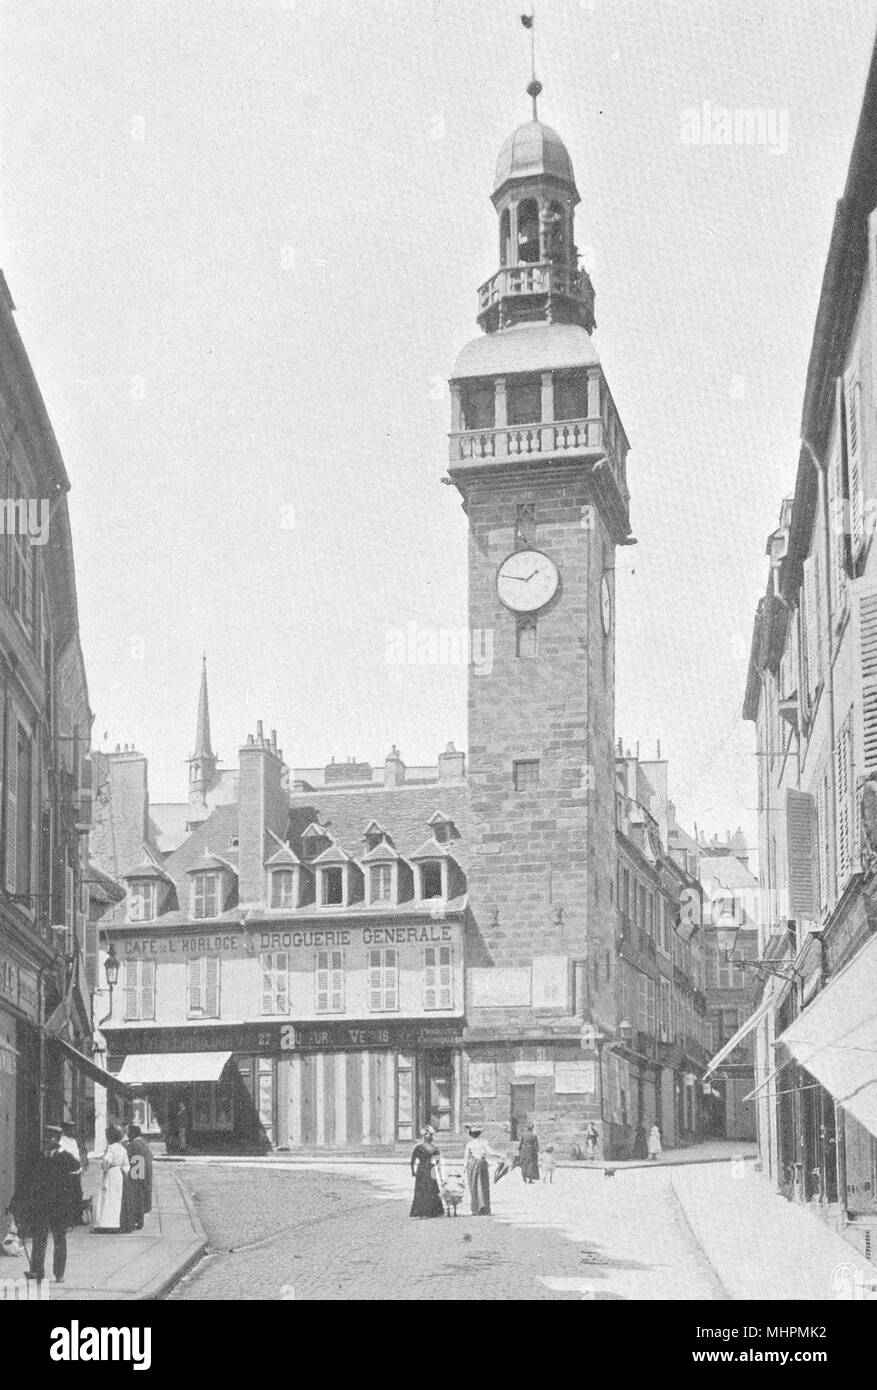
(452, 1191)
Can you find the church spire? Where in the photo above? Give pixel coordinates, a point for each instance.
(203, 762)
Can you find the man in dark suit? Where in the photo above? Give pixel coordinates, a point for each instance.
(50, 1203)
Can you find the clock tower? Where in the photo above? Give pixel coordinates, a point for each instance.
(538, 453)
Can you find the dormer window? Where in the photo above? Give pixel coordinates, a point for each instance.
(332, 887)
(431, 880)
(143, 900)
(374, 835)
(206, 895)
(314, 840)
(283, 888)
(380, 884)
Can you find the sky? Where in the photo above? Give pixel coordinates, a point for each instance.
(244, 239)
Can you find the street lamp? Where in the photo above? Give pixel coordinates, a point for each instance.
(625, 1029)
(112, 966)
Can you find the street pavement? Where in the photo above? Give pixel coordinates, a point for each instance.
(712, 1231)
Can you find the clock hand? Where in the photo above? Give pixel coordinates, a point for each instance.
(522, 578)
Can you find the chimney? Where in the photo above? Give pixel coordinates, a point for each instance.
(394, 769)
(451, 765)
(120, 810)
(263, 805)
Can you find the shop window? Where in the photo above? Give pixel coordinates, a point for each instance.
(206, 900)
(283, 888)
(528, 231)
(275, 982)
(203, 987)
(143, 900)
(383, 980)
(139, 990)
(431, 885)
(330, 982)
(438, 977)
(212, 1106)
(524, 402)
(478, 403)
(332, 881)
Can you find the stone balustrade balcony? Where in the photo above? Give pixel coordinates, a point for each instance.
(518, 283)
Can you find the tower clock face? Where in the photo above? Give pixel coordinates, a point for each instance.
(606, 605)
(526, 581)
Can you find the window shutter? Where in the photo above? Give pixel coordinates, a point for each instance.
(842, 772)
(811, 612)
(839, 543)
(430, 978)
(268, 983)
(147, 989)
(196, 997)
(866, 616)
(337, 981)
(131, 988)
(801, 834)
(375, 973)
(11, 798)
(211, 986)
(391, 984)
(322, 980)
(853, 412)
(445, 977)
(281, 982)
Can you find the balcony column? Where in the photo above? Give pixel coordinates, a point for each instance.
(547, 432)
(594, 435)
(501, 417)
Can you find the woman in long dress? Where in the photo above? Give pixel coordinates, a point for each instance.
(528, 1152)
(476, 1157)
(426, 1170)
(655, 1149)
(115, 1167)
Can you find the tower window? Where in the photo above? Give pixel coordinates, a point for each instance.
(505, 238)
(525, 636)
(479, 406)
(571, 397)
(528, 231)
(524, 400)
(525, 774)
(525, 524)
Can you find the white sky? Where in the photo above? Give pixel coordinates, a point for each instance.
(244, 239)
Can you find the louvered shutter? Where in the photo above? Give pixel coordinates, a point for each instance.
(374, 980)
(801, 833)
(11, 799)
(322, 981)
(196, 995)
(866, 624)
(838, 511)
(211, 987)
(337, 996)
(822, 836)
(147, 989)
(391, 980)
(842, 772)
(430, 978)
(811, 623)
(268, 983)
(446, 979)
(853, 413)
(131, 997)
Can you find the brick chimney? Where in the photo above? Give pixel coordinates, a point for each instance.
(263, 805)
(451, 765)
(120, 810)
(394, 769)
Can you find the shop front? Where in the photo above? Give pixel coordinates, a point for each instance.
(20, 1071)
(248, 1088)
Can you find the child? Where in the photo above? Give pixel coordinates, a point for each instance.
(548, 1163)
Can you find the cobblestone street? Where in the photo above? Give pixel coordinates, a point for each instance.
(336, 1233)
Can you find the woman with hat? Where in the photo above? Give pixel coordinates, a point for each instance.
(426, 1170)
(475, 1157)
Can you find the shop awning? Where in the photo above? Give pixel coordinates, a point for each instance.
(98, 1074)
(835, 1038)
(169, 1068)
(752, 1022)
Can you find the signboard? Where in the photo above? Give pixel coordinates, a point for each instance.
(279, 1037)
(18, 987)
(525, 1068)
(482, 1080)
(499, 987)
(550, 982)
(235, 942)
(575, 1078)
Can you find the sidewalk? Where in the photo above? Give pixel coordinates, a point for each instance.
(761, 1246)
(141, 1265)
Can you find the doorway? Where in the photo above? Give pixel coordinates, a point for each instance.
(439, 1088)
(523, 1097)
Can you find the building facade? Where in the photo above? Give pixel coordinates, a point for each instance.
(811, 696)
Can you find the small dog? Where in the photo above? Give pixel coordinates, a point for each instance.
(548, 1163)
(452, 1193)
(608, 1172)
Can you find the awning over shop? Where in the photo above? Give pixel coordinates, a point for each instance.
(97, 1073)
(752, 1022)
(835, 1038)
(170, 1068)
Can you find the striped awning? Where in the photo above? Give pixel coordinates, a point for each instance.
(743, 1032)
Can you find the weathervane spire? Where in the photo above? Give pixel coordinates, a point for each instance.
(535, 86)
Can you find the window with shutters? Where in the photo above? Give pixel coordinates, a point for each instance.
(282, 888)
(24, 830)
(275, 982)
(666, 1023)
(823, 833)
(802, 854)
(813, 633)
(142, 900)
(866, 612)
(22, 557)
(11, 793)
(651, 1008)
(843, 771)
(381, 883)
(206, 901)
(139, 990)
(330, 982)
(383, 980)
(853, 441)
(438, 977)
(642, 1002)
(203, 987)
(625, 992)
(839, 511)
